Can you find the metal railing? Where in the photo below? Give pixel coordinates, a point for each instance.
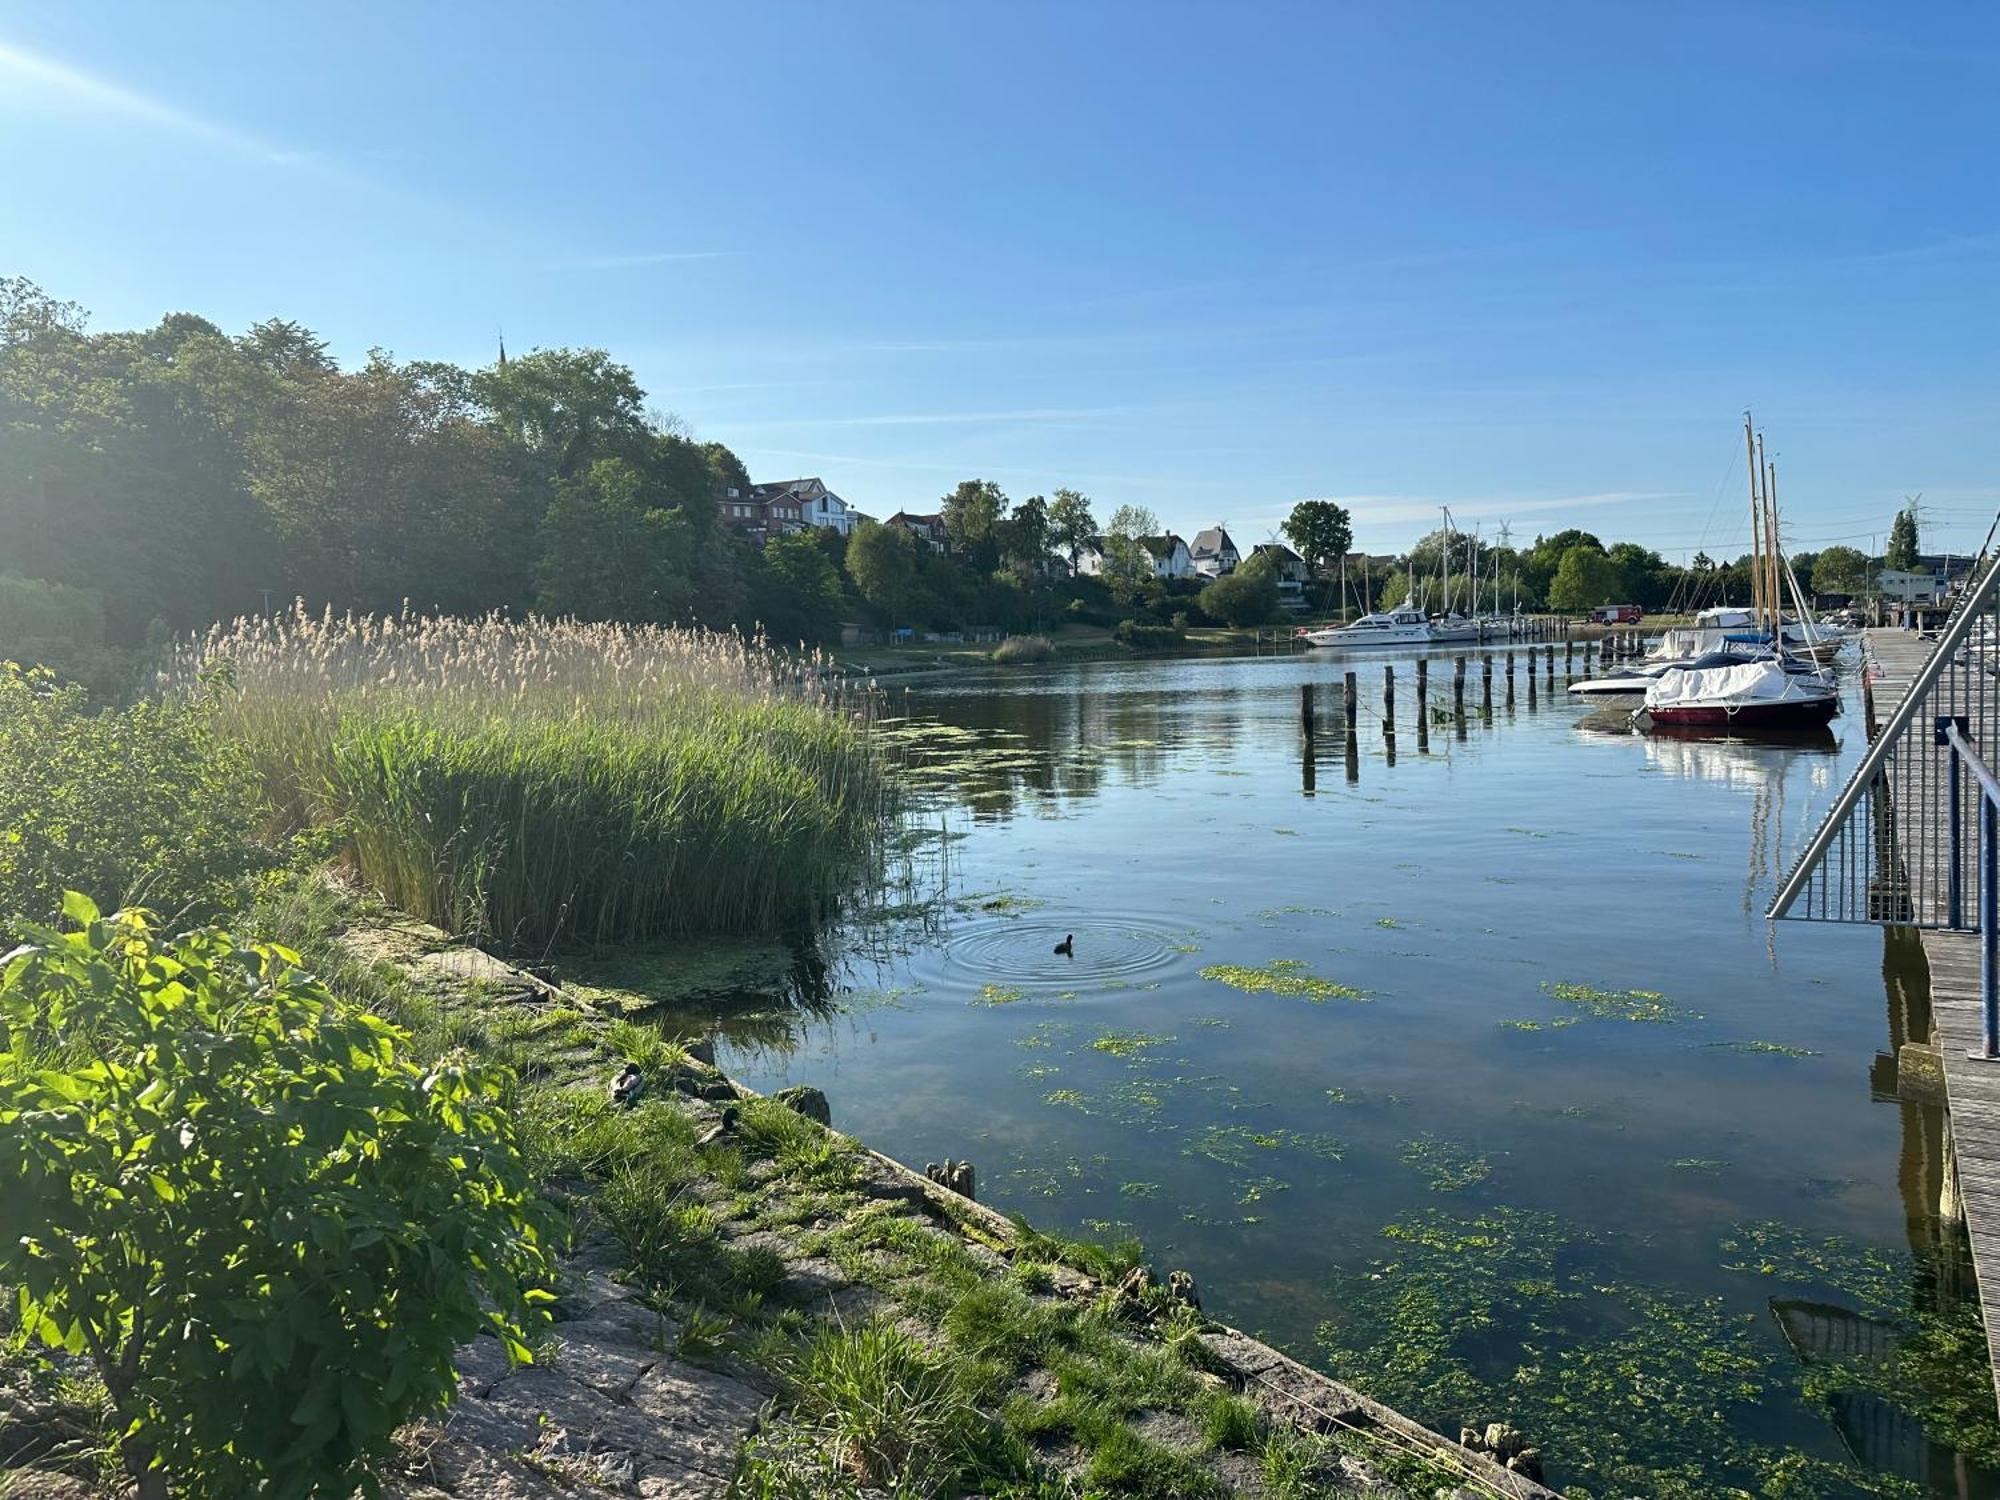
(1903, 842)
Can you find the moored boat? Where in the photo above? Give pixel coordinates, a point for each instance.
(1393, 627)
(1753, 695)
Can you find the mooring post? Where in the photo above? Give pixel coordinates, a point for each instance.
(1550, 655)
(1351, 702)
(1306, 706)
(1486, 683)
(1423, 687)
(1531, 682)
(1458, 687)
(1510, 679)
(1388, 700)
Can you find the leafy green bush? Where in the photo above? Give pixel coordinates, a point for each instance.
(263, 1226)
(144, 804)
(1024, 648)
(1147, 637)
(1248, 596)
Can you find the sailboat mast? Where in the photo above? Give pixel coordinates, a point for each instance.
(1756, 524)
(1772, 595)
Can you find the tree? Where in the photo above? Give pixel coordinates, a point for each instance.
(1127, 563)
(1640, 574)
(1584, 579)
(1070, 524)
(1840, 570)
(797, 592)
(882, 561)
(265, 1227)
(1321, 530)
(1903, 541)
(972, 515)
(1248, 596)
(610, 553)
(567, 406)
(1024, 536)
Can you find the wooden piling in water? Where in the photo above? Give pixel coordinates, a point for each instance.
(1351, 702)
(1458, 687)
(1388, 700)
(1306, 706)
(1486, 683)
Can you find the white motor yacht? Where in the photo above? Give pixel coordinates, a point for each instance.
(1393, 627)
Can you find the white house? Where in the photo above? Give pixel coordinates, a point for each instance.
(1212, 553)
(1168, 554)
(816, 504)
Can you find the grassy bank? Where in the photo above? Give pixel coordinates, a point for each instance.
(543, 782)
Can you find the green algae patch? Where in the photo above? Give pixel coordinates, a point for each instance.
(1001, 994)
(1286, 976)
(1449, 1167)
(1557, 1024)
(1648, 1006)
(1128, 1044)
(1774, 1049)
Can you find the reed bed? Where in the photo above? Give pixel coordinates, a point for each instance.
(544, 782)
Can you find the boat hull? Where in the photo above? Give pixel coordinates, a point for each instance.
(1783, 713)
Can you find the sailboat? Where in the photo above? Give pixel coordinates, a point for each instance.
(1766, 689)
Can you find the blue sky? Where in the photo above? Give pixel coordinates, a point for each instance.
(1530, 261)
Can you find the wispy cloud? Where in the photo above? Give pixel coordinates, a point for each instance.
(62, 84)
(647, 258)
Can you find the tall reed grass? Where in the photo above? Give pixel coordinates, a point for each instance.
(544, 782)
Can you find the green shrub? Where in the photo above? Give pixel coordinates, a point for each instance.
(265, 1228)
(1147, 637)
(139, 805)
(1024, 648)
(1248, 596)
(547, 782)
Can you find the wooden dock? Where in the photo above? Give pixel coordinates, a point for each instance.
(1972, 1087)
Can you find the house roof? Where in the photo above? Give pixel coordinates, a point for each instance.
(911, 518)
(1210, 541)
(1161, 546)
(1284, 553)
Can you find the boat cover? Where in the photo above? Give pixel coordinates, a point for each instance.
(1752, 681)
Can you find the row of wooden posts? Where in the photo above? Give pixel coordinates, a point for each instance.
(1611, 648)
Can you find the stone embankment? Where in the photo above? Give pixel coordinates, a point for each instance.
(617, 1405)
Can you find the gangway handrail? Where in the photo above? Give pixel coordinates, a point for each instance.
(1955, 631)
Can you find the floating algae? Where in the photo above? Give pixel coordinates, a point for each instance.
(1128, 1044)
(1775, 1049)
(1614, 1005)
(1450, 1167)
(1557, 1024)
(1285, 976)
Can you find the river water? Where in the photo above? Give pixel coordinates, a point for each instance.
(1469, 1070)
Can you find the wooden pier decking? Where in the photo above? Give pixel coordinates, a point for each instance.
(1972, 1087)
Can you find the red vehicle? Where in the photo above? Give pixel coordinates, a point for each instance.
(1617, 614)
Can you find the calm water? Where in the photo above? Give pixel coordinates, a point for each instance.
(1486, 1131)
